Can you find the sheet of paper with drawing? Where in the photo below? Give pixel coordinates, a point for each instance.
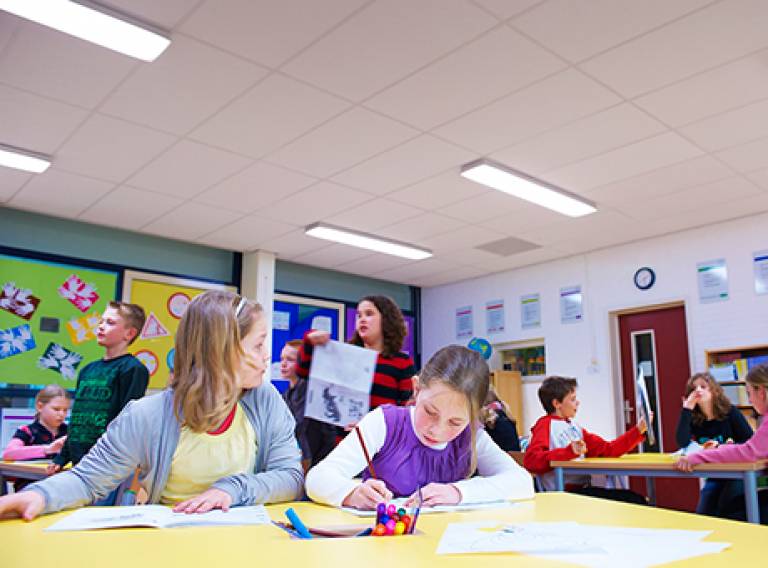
(340, 381)
(157, 516)
(644, 405)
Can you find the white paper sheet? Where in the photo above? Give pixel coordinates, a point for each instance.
(588, 545)
(340, 381)
(156, 516)
(400, 502)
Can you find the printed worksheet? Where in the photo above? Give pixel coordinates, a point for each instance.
(340, 381)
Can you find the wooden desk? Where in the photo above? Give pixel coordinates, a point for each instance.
(650, 465)
(32, 470)
(25, 544)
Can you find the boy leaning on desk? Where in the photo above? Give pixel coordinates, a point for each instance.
(557, 436)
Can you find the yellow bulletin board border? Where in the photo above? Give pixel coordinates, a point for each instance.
(154, 292)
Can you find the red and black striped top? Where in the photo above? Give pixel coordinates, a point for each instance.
(392, 378)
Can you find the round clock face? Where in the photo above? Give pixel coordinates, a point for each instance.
(645, 278)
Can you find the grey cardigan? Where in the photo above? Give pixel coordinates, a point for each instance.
(146, 434)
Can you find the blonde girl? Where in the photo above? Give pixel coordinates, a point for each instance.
(46, 435)
(217, 437)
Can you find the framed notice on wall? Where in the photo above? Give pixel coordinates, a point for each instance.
(164, 299)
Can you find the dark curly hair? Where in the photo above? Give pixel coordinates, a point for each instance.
(393, 330)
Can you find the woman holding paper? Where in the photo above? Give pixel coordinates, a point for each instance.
(379, 325)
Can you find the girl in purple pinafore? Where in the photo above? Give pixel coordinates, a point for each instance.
(436, 445)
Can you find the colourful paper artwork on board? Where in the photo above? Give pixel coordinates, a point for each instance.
(18, 301)
(148, 359)
(83, 329)
(153, 329)
(81, 295)
(16, 340)
(177, 304)
(60, 359)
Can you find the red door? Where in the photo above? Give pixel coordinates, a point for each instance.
(657, 342)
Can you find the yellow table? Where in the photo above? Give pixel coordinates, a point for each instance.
(650, 465)
(32, 470)
(26, 544)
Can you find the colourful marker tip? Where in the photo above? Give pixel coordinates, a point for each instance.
(399, 528)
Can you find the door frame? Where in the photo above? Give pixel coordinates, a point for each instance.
(613, 317)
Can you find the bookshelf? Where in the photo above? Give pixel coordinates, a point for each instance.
(738, 361)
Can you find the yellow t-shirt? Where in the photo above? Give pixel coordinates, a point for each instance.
(201, 459)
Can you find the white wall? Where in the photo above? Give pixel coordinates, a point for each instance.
(583, 349)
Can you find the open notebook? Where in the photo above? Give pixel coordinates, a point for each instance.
(400, 502)
(156, 516)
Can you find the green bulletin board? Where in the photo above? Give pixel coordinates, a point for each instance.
(48, 315)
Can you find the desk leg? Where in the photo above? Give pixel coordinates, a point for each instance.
(3, 485)
(750, 497)
(559, 479)
(650, 483)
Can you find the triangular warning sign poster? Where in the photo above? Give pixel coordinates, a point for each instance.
(153, 328)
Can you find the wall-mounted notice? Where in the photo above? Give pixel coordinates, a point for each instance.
(530, 311)
(713, 281)
(464, 322)
(571, 300)
(760, 262)
(494, 316)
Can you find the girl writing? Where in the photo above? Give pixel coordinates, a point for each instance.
(46, 435)
(756, 448)
(709, 419)
(217, 437)
(435, 445)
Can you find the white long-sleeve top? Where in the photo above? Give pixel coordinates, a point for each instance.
(499, 476)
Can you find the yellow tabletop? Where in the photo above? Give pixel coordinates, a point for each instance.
(26, 544)
(662, 462)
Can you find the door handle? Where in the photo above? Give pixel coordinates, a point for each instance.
(628, 410)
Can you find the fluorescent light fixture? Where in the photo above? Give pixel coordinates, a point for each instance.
(525, 187)
(366, 241)
(92, 22)
(11, 157)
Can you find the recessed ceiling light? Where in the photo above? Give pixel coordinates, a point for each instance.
(11, 157)
(95, 23)
(366, 241)
(525, 187)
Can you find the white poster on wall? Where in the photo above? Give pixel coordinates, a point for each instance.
(713, 280)
(464, 322)
(571, 300)
(494, 316)
(530, 311)
(760, 262)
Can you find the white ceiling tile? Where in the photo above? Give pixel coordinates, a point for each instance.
(747, 157)
(248, 233)
(342, 142)
(721, 32)
(373, 214)
(460, 239)
(60, 193)
(165, 14)
(11, 181)
(730, 128)
(255, 187)
(682, 202)
(578, 30)
(470, 256)
(406, 164)
(170, 95)
(59, 66)
(188, 168)
(293, 244)
(724, 88)
(314, 203)
(582, 139)
(497, 63)
(128, 208)
(643, 156)
(603, 223)
(332, 256)
(528, 112)
(507, 8)
(523, 218)
(760, 178)
(486, 206)
(265, 31)
(414, 270)
(439, 191)
(112, 149)
(34, 123)
(274, 112)
(522, 259)
(453, 275)
(374, 263)
(190, 221)
(420, 227)
(385, 42)
(8, 26)
(690, 173)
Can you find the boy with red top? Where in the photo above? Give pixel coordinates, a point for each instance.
(557, 437)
